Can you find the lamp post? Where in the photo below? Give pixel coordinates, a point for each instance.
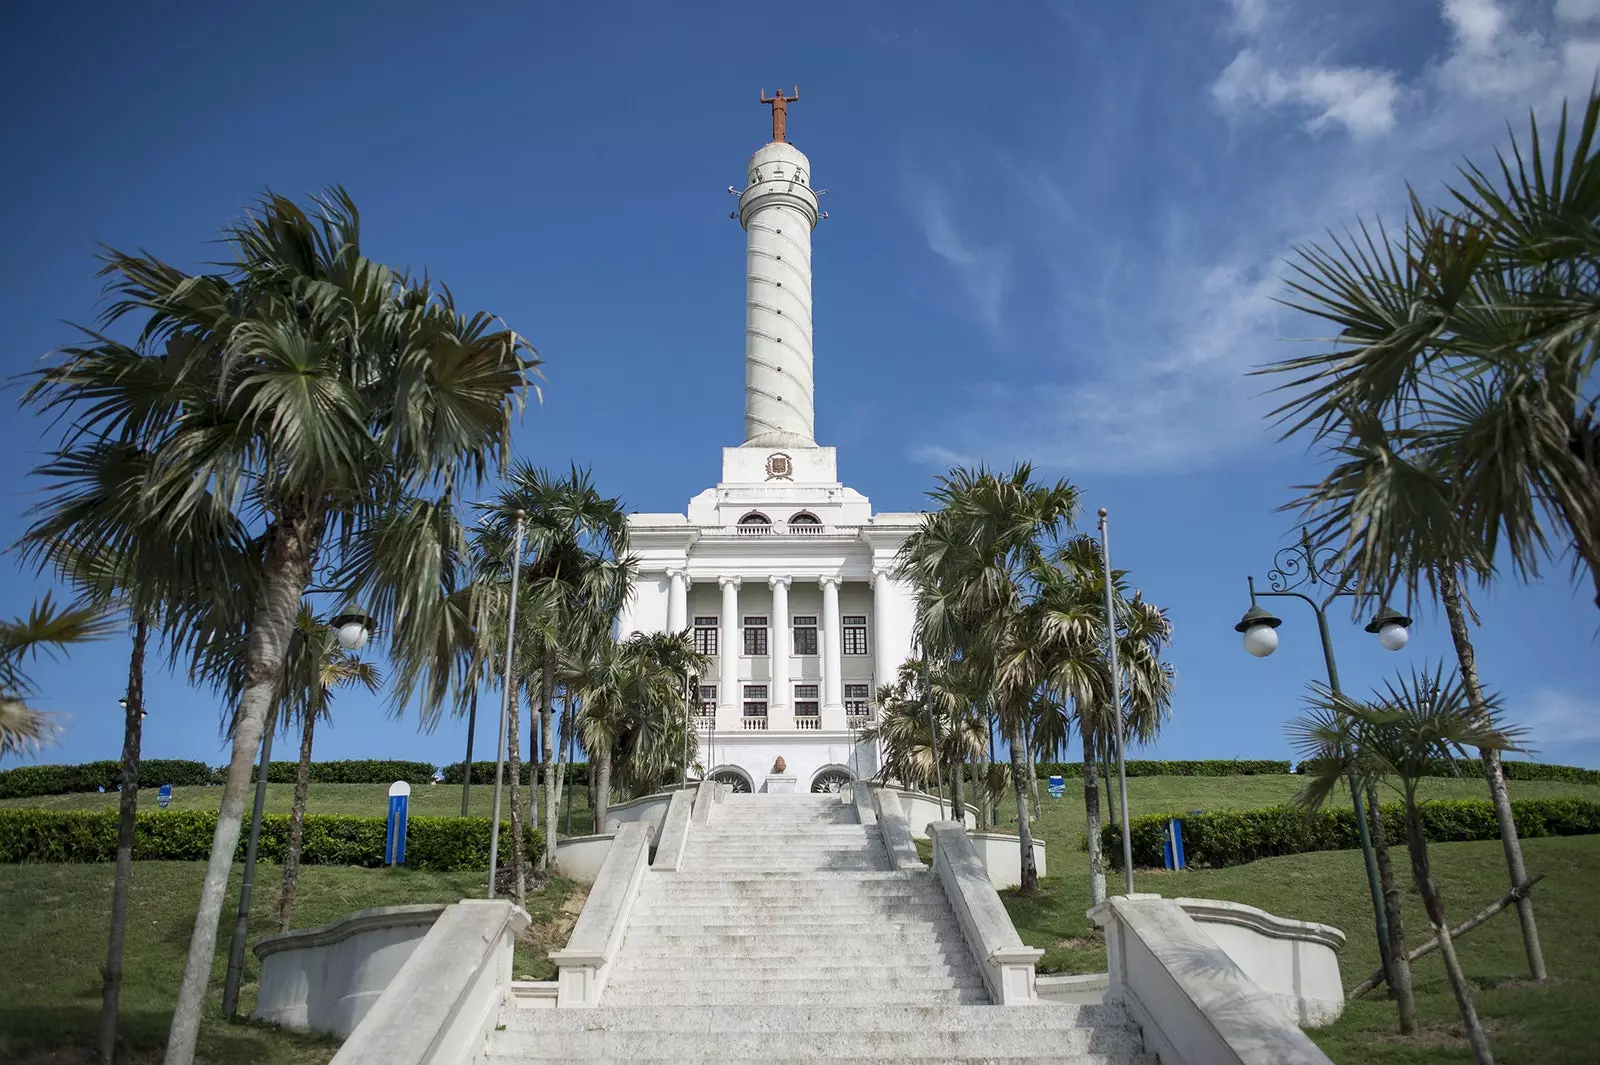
(1305, 565)
(352, 629)
(1116, 701)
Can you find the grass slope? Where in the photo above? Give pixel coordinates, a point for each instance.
(56, 919)
(1550, 1025)
(361, 800)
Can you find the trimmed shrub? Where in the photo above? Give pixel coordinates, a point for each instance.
(1232, 837)
(1514, 770)
(364, 771)
(29, 780)
(441, 844)
(483, 773)
(1207, 767)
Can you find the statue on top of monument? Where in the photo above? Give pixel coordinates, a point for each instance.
(780, 111)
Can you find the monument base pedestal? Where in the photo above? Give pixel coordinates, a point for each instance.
(779, 784)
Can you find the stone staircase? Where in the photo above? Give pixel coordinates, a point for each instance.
(786, 937)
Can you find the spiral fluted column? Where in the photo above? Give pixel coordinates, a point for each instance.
(778, 210)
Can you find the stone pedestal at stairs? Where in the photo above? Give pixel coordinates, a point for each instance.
(786, 937)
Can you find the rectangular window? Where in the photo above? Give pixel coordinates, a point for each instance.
(805, 634)
(755, 700)
(855, 699)
(708, 699)
(855, 634)
(805, 700)
(755, 636)
(705, 635)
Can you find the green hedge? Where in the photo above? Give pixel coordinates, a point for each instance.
(1207, 767)
(483, 773)
(1232, 837)
(30, 780)
(442, 844)
(1514, 770)
(365, 771)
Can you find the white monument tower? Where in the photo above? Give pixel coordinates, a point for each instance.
(783, 574)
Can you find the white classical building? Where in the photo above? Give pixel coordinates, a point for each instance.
(783, 573)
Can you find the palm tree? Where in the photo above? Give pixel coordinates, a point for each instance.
(46, 628)
(94, 531)
(1071, 621)
(1463, 352)
(316, 665)
(664, 736)
(1397, 740)
(974, 563)
(1434, 455)
(911, 755)
(578, 574)
(323, 396)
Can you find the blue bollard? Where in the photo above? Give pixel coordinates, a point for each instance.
(394, 844)
(1172, 845)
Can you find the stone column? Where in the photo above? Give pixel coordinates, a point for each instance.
(728, 648)
(832, 644)
(780, 703)
(883, 663)
(677, 601)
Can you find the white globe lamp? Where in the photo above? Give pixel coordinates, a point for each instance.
(1260, 629)
(353, 630)
(1392, 629)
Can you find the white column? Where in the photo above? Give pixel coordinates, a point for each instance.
(832, 644)
(883, 663)
(728, 654)
(677, 601)
(780, 701)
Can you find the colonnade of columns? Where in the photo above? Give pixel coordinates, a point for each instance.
(830, 637)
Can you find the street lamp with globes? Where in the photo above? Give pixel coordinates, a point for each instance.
(1306, 565)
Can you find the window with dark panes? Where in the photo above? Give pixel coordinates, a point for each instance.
(705, 635)
(805, 700)
(755, 700)
(855, 699)
(755, 635)
(855, 634)
(805, 634)
(708, 698)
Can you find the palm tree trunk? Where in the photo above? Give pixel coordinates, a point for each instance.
(1417, 843)
(552, 786)
(980, 778)
(1019, 766)
(602, 788)
(994, 808)
(564, 745)
(297, 825)
(1033, 772)
(1399, 974)
(1091, 813)
(958, 794)
(1108, 776)
(127, 811)
(1466, 654)
(285, 574)
(519, 880)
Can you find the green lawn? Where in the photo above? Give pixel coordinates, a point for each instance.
(364, 800)
(1544, 1025)
(56, 916)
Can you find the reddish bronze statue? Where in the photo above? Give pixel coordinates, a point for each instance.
(780, 111)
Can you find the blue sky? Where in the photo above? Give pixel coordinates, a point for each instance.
(1055, 234)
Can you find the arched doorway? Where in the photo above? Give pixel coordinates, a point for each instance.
(735, 778)
(831, 779)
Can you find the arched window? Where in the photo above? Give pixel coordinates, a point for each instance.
(803, 518)
(755, 518)
(755, 523)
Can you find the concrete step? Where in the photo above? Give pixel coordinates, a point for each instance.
(692, 968)
(818, 925)
(868, 908)
(1013, 1044)
(742, 986)
(854, 1017)
(800, 993)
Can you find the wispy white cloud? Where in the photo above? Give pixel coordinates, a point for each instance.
(1360, 99)
(982, 273)
(1556, 719)
(1577, 10)
(1148, 334)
